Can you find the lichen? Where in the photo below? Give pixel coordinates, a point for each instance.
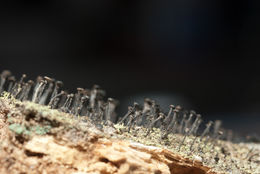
(43, 109)
(221, 156)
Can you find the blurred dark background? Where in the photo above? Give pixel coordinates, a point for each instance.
(199, 53)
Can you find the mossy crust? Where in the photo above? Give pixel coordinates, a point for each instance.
(26, 119)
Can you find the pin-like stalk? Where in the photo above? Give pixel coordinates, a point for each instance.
(81, 104)
(195, 125)
(130, 111)
(174, 118)
(188, 122)
(38, 92)
(39, 80)
(4, 75)
(11, 80)
(19, 87)
(58, 85)
(161, 116)
(27, 90)
(93, 96)
(186, 133)
(168, 117)
(110, 110)
(182, 125)
(67, 104)
(204, 133)
(48, 91)
(77, 100)
(130, 122)
(54, 100)
(217, 125)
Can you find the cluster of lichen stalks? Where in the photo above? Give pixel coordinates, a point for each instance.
(147, 124)
(47, 91)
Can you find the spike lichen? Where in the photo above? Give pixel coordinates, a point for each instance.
(221, 156)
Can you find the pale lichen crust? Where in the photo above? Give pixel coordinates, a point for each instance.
(43, 108)
(221, 156)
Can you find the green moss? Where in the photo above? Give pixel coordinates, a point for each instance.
(19, 129)
(41, 130)
(9, 115)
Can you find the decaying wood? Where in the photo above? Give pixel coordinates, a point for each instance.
(73, 146)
